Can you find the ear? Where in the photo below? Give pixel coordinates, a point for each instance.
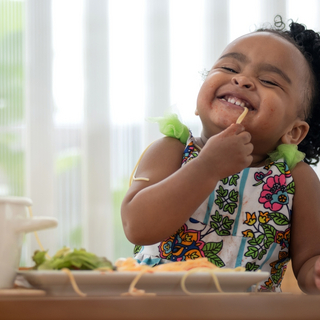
(196, 112)
(296, 133)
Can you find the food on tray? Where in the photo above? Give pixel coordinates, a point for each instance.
(66, 259)
(131, 264)
(73, 260)
(189, 266)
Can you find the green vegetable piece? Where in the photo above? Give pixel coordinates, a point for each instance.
(73, 260)
(39, 257)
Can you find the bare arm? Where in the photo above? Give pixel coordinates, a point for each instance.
(151, 211)
(305, 229)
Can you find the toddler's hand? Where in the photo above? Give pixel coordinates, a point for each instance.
(228, 152)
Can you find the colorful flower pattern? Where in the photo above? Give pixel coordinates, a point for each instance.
(190, 152)
(274, 195)
(263, 229)
(183, 245)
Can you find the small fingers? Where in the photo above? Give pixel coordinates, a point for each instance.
(249, 149)
(237, 128)
(238, 132)
(245, 136)
(234, 129)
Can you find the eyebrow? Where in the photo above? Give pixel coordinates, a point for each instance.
(236, 55)
(263, 66)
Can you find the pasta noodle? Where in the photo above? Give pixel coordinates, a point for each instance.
(133, 291)
(140, 179)
(73, 282)
(190, 266)
(132, 177)
(242, 115)
(186, 265)
(131, 264)
(211, 271)
(36, 235)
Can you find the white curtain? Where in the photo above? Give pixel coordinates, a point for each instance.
(79, 79)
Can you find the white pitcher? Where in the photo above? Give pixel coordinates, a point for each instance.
(14, 222)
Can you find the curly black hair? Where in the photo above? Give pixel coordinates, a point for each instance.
(308, 43)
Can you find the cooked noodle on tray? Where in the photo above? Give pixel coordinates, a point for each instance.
(70, 262)
(188, 266)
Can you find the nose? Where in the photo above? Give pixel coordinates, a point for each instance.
(242, 82)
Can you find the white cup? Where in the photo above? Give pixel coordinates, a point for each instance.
(14, 222)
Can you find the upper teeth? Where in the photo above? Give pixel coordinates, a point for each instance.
(234, 100)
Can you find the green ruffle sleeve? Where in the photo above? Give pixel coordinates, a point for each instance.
(289, 152)
(171, 126)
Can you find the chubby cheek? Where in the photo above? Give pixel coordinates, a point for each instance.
(264, 122)
(204, 92)
(268, 117)
(203, 103)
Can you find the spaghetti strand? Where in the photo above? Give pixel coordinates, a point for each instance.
(242, 115)
(36, 235)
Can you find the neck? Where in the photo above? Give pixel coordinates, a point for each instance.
(258, 161)
(203, 138)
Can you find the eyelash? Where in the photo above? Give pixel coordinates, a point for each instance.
(229, 69)
(269, 82)
(264, 81)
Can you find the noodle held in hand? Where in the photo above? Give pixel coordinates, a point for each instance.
(242, 115)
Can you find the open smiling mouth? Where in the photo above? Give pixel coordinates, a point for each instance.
(236, 101)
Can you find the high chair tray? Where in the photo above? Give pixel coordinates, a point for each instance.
(97, 283)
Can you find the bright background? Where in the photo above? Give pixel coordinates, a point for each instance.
(77, 81)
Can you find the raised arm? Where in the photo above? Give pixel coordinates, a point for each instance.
(153, 210)
(305, 229)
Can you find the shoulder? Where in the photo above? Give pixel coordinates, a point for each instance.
(163, 149)
(166, 145)
(304, 173)
(307, 190)
(161, 159)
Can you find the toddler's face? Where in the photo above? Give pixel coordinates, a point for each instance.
(263, 72)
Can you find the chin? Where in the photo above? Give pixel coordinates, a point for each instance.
(224, 124)
(215, 126)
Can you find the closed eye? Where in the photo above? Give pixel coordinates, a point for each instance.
(229, 69)
(269, 83)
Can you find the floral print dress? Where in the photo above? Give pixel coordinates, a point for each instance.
(244, 222)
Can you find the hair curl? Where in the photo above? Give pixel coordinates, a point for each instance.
(308, 43)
